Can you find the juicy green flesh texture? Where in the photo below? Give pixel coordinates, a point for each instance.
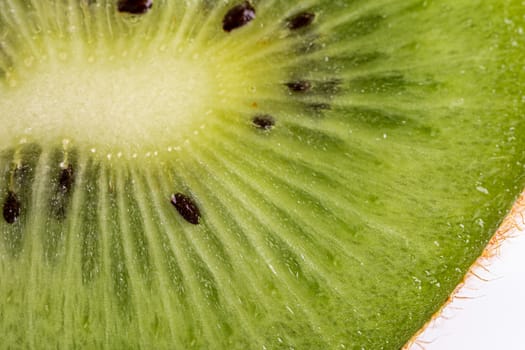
(345, 226)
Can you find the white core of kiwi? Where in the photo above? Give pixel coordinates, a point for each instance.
(118, 104)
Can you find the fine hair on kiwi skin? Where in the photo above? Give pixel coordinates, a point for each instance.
(258, 174)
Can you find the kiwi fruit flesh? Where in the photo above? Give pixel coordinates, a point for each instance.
(260, 174)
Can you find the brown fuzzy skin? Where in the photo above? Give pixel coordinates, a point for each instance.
(512, 222)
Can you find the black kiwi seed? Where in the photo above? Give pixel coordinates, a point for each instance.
(135, 7)
(265, 122)
(299, 86)
(238, 16)
(59, 201)
(67, 177)
(300, 20)
(186, 208)
(11, 208)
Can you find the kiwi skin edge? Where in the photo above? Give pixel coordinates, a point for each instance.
(513, 222)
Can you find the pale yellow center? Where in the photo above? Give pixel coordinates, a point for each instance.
(125, 104)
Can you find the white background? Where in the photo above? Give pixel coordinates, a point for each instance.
(489, 314)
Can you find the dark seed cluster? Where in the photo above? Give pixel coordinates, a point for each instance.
(238, 16)
(300, 20)
(59, 202)
(11, 208)
(264, 122)
(135, 7)
(186, 208)
(66, 179)
(244, 13)
(299, 86)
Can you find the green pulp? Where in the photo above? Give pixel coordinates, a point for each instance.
(344, 226)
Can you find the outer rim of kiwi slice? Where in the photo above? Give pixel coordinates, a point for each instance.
(510, 224)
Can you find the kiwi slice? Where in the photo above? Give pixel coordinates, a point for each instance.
(260, 174)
